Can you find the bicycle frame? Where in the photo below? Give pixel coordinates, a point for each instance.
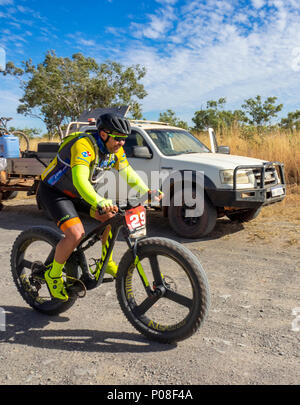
(109, 230)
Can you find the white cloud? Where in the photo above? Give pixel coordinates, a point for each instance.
(199, 50)
(81, 42)
(159, 24)
(6, 2)
(10, 94)
(167, 2)
(86, 42)
(258, 3)
(207, 53)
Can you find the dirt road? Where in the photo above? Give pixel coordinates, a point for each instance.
(251, 335)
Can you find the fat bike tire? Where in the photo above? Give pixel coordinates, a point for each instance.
(150, 309)
(22, 262)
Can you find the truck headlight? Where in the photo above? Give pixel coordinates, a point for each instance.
(245, 177)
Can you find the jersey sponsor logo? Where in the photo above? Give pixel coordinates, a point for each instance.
(80, 158)
(86, 153)
(63, 219)
(56, 176)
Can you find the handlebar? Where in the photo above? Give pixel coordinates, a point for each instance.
(133, 203)
(142, 200)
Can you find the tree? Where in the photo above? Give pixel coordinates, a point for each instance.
(208, 117)
(216, 117)
(292, 121)
(169, 116)
(59, 89)
(30, 132)
(260, 113)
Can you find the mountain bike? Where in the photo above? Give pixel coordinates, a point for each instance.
(160, 285)
(23, 138)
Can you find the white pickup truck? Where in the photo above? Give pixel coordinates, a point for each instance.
(234, 186)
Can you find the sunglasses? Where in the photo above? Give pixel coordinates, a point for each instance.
(117, 137)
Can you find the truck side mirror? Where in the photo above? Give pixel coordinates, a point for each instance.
(141, 152)
(224, 149)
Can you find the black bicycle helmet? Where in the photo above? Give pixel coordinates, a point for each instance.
(114, 124)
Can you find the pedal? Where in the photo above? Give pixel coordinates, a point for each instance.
(76, 288)
(38, 268)
(108, 280)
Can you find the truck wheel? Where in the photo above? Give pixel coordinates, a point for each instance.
(9, 195)
(243, 216)
(192, 227)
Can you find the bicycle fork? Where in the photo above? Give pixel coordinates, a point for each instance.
(138, 265)
(107, 247)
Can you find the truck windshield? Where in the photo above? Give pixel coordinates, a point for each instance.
(176, 141)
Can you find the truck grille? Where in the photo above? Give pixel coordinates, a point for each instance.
(271, 177)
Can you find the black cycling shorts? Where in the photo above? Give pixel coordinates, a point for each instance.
(63, 209)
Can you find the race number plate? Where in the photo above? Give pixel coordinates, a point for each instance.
(136, 221)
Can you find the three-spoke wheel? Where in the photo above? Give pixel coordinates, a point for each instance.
(168, 298)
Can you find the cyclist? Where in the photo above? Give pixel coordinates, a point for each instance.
(68, 185)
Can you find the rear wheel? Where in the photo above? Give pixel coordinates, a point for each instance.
(32, 251)
(173, 301)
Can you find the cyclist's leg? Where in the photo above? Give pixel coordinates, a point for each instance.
(63, 211)
(82, 206)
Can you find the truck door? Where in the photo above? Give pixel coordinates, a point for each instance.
(144, 166)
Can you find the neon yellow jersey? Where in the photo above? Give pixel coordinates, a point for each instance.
(82, 153)
(82, 150)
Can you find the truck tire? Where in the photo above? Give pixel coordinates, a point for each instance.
(192, 227)
(9, 195)
(244, 215)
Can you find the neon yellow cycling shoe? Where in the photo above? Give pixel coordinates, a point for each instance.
(56, 286)
(112, 268)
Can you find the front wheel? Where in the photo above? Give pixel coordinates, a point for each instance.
(168, 298)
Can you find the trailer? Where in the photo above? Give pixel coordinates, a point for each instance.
(23, 173)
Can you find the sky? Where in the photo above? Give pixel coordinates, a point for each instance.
(193, 50)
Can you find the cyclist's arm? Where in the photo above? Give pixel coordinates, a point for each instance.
(134, 180)
(82, 156)
(128, 174)
(80, 177)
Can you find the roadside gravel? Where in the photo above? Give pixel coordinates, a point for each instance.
(249, 336)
